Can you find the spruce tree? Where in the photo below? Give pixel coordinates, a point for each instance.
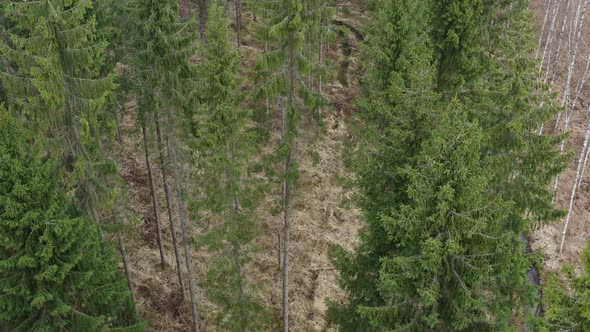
(162, 47)
(56, 78)
(445, 190)
(567, 301)
(288, 25)
(457, 35)
(227, 192)
(395, 123)
(511, 104)
(55, 274)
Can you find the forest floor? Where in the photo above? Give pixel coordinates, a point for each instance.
(548, 238)
(321, 217)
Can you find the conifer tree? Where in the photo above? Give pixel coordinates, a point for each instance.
(288, 25)
(506, 102)
(162, 48)
(445, 190)
(55, 79)
(457, 35)
(56, 275)
(227, 147)
(567, 302)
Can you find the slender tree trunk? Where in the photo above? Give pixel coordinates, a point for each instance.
(233, 209)
(125, 257)
(267, 101)
(547, 10)
(183, 231)
(551, 30)
(575, 187)
(202, 5)
(566, 98)
(321, 67)
(570, 68)
(287, 224)
(164, 170)
(155, 204)
(288, 127)
(239, 22)
(123, 251)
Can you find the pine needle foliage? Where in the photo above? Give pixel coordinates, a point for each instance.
(55, 275)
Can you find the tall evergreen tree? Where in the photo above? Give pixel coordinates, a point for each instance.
(227, 192)
(163, 46)
(567, 302)
(457, 35)
(445, 201)
(55, 78)
(288, 25)
(505, 101)
(55, 275)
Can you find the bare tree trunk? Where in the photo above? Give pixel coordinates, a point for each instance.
(164, 169)
(233, 209)
(287, 189)
(575, 187)
(321, 62)
(155, 204)
(183, 231)
(551, 31)
(547, 10)
(125, 257)
(279, 250)
(566, 98)
(126, 266)
(239, 21)
(570, 69)
(287, 224)
(202, 4)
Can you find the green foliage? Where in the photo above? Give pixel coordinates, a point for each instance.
(55, 275)
(567, 303)
(227, 148)
(458, 41)
(55, 78)
(447, 186)
(507, 101)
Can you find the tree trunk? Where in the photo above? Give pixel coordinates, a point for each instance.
(551, 31)
(123, 252)
(321, 67)
(566, 98)
(577, 181)
(239, 21)
(202, 5)
(155, 204)
(126, 266)
(164, 170)
(233, 209)
(288, 135)
(183, 231)
(548, 6)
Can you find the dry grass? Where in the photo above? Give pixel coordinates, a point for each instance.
(320, 221)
